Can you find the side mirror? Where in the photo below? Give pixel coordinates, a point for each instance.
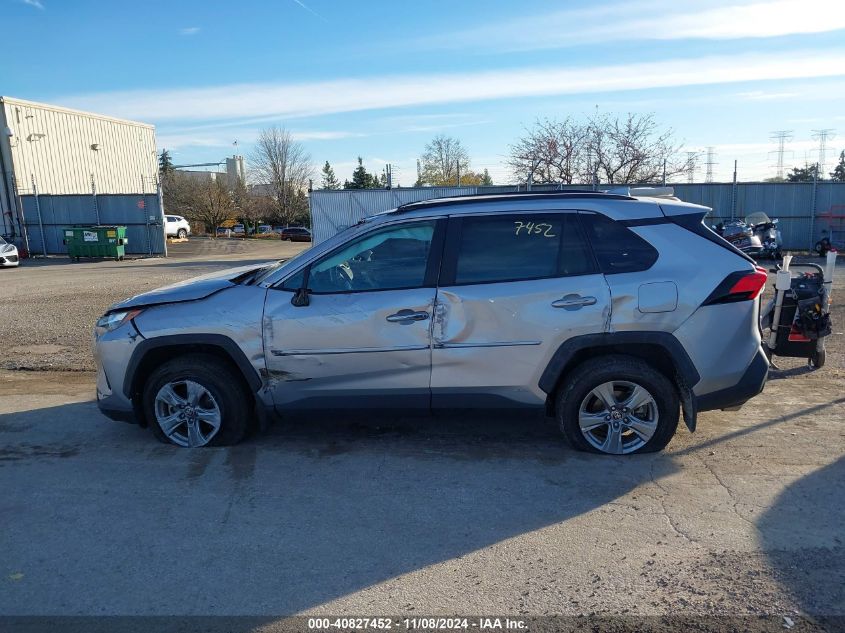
(300, 298)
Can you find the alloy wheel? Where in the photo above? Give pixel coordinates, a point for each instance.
(187, 413)
(618, 417)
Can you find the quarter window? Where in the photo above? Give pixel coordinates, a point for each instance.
(617, 248)
(516, 247)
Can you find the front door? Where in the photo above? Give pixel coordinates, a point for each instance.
(363, 339)
(513, 288)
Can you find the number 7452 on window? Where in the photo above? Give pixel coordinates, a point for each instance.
(530, 228)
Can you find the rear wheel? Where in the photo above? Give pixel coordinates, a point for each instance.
(617, 405)
(181, 234)
(818, 359)
(195, 401)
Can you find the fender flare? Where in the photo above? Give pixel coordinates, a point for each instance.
(686, 375)
(221, 341)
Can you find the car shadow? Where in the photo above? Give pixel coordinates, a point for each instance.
(803, 535)
(311, 511)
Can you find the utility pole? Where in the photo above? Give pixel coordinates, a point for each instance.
(781, 137)
(419, 174)
(711, 154)
(458, 163)
(822, 136)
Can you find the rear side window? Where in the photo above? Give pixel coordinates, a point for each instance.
(516, 247)
(617, 248)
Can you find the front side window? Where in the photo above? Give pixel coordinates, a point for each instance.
(392, 258)
(517, 247)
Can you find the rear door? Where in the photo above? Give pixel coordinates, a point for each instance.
(513, 287)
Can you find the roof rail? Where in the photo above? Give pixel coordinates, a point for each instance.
(523, 195)
(646, 192)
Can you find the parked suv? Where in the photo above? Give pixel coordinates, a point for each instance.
(612, 312)
(176, 226)
(295, 234)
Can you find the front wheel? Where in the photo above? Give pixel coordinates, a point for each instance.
(617, 405)
(195, 401)
(182, 234)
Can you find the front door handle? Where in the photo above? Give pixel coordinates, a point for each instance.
(406, 316)
(574, 302)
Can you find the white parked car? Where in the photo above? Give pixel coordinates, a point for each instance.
(8, 254)
(176, 226)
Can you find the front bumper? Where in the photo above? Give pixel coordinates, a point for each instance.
(9, 260)
(115, 409)
(751, 384)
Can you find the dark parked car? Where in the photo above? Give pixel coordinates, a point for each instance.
(295, 234)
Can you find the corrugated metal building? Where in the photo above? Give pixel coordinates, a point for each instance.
(804, 210)
(62, 166)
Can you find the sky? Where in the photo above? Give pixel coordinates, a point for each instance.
(380, 79)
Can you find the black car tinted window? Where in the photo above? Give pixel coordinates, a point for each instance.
(515, 247)
(617, 248)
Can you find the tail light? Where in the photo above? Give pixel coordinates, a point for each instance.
(739, 286)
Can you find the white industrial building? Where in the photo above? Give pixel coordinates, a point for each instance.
(67, 166)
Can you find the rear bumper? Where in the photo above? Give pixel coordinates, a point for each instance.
(751, 384)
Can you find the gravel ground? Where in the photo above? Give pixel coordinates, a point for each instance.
(47, 324)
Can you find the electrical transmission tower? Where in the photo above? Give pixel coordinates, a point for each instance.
(692, 160)
(822, 137)
(711, 154)
(781, 137)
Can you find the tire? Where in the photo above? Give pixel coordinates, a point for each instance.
(181, 234)
(820, 249)
(657, 417)
(225, 400)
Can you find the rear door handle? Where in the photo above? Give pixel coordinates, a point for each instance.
(573, 302)
(406, 316)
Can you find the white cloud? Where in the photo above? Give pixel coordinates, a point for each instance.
(280, 100)
(190, 30)
(34, 3)
(655, 20)
(761, 95)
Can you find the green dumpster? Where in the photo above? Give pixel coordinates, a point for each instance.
(96, 241)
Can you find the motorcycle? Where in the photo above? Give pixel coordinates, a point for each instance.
(757, 235)
(767, 231)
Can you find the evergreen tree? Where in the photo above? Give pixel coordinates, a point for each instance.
(807, 173)
(329, 181)
(165, 163)
(361, 178)
(838, 173)
(485, 178)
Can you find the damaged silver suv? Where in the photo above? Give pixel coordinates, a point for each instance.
(614, 313)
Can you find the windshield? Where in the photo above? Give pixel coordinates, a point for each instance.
(757, 218)
(284, 265)
(2, 241)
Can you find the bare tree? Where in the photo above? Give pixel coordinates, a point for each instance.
(602, 149)
(283, 165)
(551, 152)
(444, 157)
(632, 150)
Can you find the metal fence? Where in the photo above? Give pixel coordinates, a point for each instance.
(46, 216)
(804, 210)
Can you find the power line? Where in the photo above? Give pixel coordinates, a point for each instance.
(711, 154)
(821, 136)
(781, 137)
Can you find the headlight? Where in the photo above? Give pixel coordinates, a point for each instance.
(114, 320)
(7, 248)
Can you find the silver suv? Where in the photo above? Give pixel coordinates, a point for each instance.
(614, 313)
